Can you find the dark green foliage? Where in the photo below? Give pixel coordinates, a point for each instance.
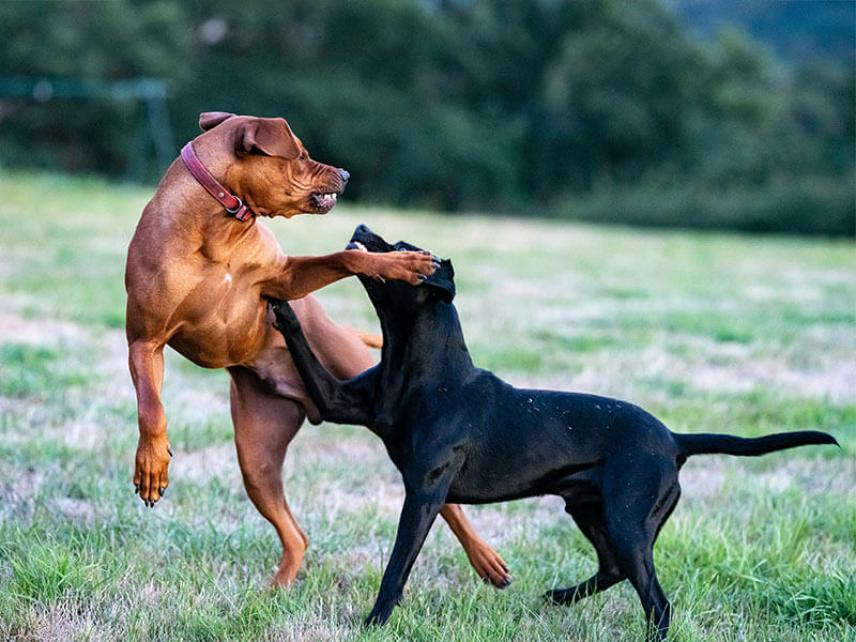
(813, 205)
(602, 109)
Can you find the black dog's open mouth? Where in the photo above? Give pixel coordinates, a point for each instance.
(323, 202)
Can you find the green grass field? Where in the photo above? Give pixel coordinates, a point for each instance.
(710, 332)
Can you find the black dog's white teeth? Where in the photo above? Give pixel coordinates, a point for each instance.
(356, 245)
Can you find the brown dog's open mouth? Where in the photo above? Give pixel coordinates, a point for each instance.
(323, 202)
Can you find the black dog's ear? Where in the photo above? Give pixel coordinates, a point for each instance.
(442, 282)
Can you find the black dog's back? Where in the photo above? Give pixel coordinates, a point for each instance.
(524, 442)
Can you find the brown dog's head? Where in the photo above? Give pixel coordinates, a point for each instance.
(272, 171)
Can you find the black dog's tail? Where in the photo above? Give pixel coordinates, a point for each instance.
(709, 443)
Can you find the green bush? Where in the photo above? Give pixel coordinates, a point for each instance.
(813, 205)
(513, 106)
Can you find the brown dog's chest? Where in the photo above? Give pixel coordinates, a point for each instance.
(220, 321)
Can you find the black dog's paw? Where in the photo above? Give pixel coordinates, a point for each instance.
(556, 596)
(564, 596)
(285, 317)
(379, 615)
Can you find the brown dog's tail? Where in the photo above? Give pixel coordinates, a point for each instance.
(369, 339)
(710, 443)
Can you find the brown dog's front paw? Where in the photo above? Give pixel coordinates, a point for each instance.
(151, 471)
(412, 267)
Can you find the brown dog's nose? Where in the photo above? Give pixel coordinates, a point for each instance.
(344, 175)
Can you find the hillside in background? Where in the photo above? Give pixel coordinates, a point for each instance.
(600, 110)
(798, 31)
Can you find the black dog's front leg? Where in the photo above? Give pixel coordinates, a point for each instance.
(347, 402)
(418, 514)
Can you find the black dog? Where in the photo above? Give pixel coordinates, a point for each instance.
(460, 434)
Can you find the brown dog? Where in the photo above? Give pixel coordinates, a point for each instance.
(195, 279)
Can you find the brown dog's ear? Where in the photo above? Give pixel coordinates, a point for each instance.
(209, 119)
(268, 136)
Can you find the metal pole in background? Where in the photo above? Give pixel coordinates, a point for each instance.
(150, 93)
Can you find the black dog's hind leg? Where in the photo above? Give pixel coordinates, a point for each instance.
(589, 517)
(638, 497)
(338, 401)
(420, 509)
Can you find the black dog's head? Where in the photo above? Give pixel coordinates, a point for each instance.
(397, 298)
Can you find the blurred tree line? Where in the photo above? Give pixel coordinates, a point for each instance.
(594, 109)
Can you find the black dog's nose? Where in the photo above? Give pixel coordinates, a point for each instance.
(344, 175)
(362, 235)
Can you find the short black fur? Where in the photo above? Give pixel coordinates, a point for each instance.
(460, 434)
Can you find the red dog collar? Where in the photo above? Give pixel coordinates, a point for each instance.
(231, 203)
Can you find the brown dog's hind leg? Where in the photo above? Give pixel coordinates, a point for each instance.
(486, 561)
(264, 426)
